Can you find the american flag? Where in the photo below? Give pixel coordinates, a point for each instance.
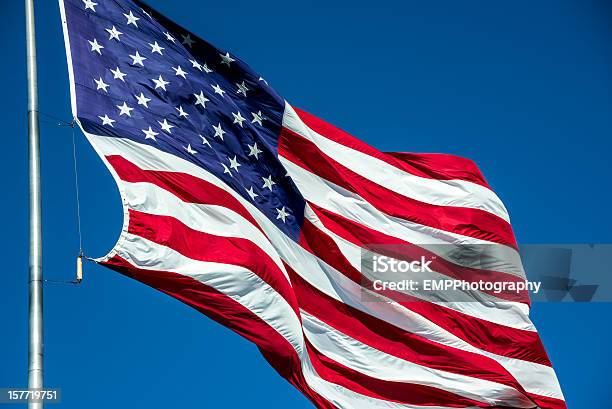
(256, 213)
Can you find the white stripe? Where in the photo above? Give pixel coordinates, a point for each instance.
(317, 272)
(344, 398)
(221, 221)
(154, 200)
(238, 283)
(337, 286)
(450, 246)
(510, 314)
(246, 288)
(377, 364)
(437, 192)
(211, 219)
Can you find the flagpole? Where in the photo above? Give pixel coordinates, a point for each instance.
(35, 358)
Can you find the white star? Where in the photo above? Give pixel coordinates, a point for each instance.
(226, 170)
(118, 75)
(125, 109)
(219, 131)
(142, 100)
(262, 80)
(178, 71)
(101, 84)
(95, 46)
(137, 59)
(218, 89)
(181, 111)
(169, 37)
(204, 141)
(165, 125)
(196, 64)
(257, 117)
(187, 40)
(238, 119)
(114, 33)
(160, 83)
(242, 89)
(146, 13)
(90, 5)
(226, 59)
(234, 163)
(155, 48)
(106, 120)
(189, 149)
(254, 150)
(206, 69)
(268, 182)
(282, 214)
(252, 193)
(201, 99)
(149, 133)
(131, 19)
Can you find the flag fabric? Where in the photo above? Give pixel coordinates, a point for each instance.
(257, 213)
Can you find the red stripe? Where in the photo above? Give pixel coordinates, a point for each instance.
(192, 189)
(395, 341)
(226, 311)
(184, 186)
(431, 166)
(545, 402)
(401, 392)
(383, 244)
(196, 245)
(482, 334)
(441, 166)
(469, 222)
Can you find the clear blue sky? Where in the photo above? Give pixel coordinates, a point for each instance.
(523, 88)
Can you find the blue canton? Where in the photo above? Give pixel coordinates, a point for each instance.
(142, 77)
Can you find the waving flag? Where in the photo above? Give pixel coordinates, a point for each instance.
(257, 213)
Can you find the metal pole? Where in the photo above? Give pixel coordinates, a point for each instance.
(35, 364)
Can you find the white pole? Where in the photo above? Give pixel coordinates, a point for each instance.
(35, 359)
